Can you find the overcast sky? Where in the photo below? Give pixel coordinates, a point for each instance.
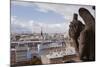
(30, 17)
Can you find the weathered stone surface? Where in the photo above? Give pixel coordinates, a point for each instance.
(85, 33)
(87, 36)
(75, 28)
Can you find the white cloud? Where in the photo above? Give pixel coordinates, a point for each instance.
(13, 18)
(33, 26)
(42, 10)
(66, 10)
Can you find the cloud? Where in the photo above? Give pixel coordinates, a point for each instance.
(13, 18)
(42, 10)
(66, 10)
(20, 26)
(60, 9)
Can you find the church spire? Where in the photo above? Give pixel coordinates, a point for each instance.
(42, 33)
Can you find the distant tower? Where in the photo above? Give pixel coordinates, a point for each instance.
(42, 34)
